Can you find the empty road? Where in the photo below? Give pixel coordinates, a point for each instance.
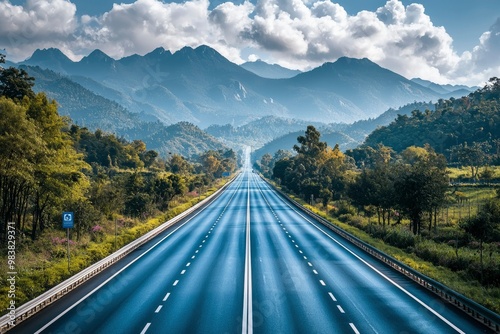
(249, 263)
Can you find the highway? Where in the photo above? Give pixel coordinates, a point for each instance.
(249, 263)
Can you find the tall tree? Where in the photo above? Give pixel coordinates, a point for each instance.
(485, 226)
(475, 156)
(421, 185)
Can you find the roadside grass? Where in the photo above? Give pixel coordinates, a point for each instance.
(43, 264)
(485, 173)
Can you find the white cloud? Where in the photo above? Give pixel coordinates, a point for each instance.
(253, 58)
(293, 33)
(38, 23)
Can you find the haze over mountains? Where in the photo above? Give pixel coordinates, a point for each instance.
(202, 87)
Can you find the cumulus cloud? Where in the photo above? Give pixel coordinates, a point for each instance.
(294, 33)
(36, 24)
(481, 63)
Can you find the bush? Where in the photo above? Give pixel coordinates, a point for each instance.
(58, 252)
(346, 218)
(96, 252)
(344, 209)
(445, 255)
(400, 237)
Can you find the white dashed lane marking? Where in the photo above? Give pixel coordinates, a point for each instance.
(145, 329)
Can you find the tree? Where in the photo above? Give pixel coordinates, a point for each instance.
(20, 144)
(474, 156)
(421, 186)
(332, 173)
(16, 84)
(39, 167)
(178, 165)
(485, 226)
(265, 164)
(310, 144)
(376, 183)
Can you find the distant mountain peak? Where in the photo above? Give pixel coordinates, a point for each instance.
(202, 51)
(49, 54)
(203, 54)
(350, 60)
(158, 54)
(160, 51)
(97, 55)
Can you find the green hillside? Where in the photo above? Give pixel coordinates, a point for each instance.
(456, 123)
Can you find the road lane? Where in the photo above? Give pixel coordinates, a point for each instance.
(288, 298)
(192, 263)
(209, 295)
(371, 297)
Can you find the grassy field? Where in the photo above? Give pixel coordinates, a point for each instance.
(488, 173)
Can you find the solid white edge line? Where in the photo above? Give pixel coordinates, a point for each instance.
(145, 329)
(446, 321)
(118, 272)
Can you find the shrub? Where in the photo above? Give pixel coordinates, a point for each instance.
(58, 252)
(400, 237)
(346, 218)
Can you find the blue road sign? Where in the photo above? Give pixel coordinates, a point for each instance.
(68, 220)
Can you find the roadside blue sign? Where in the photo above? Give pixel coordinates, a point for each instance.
(226, 174)
(68, 220)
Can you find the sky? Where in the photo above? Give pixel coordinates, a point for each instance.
(445, 41)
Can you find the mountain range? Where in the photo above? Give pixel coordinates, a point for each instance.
(165, 99)
(202, 87)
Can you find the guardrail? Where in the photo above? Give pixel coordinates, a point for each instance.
(33, 306)
(473, 309)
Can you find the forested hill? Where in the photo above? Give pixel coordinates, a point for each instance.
(472, 119)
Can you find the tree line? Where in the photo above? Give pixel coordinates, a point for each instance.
(413, 183)
(48, 165)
